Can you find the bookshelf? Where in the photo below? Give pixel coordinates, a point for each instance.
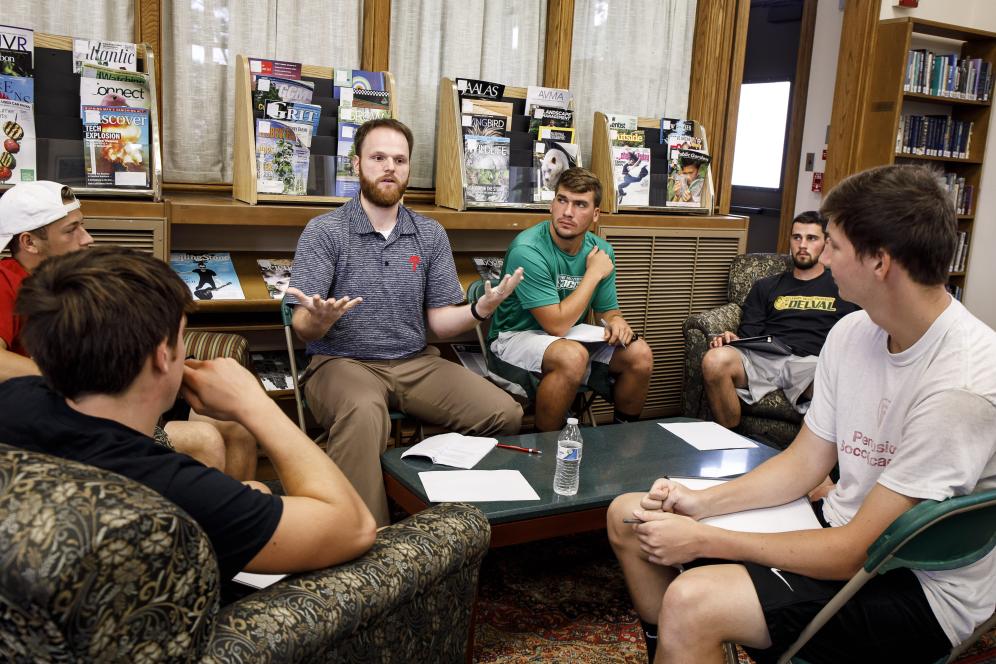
(888, 103)
(244, 158)
(451, 174)
(603, 167)
(59, 129)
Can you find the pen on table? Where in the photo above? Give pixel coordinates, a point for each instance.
(530, 450)
(606, 326)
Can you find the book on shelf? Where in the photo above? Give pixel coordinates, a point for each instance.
(687, 172)
(294, 111)
(282, 151)
(542, 116)
(473, 88)
(209, 276)
(560, 134)
(18, 152)
(357, 79)
(550, 159)
(116, 146)
(934, 136)
(273, 368)
(105, 86)
(487, 107)
(546, 97)
(17, 51)
(278, 68)
(947, 75)
(105, 53)
(486, 166)
(484, 125)
(631, 167)
(489, 267)
(17, 88)
(276, 273)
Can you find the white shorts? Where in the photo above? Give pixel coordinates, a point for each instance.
(767, 372)
(525, 350)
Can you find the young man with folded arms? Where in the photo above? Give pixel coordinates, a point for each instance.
(105, 327)
(904, 401)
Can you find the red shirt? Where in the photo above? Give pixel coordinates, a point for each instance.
(11, 276)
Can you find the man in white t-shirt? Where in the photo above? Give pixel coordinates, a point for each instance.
(905, 401)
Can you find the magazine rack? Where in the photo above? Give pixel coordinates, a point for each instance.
(244, 168)
(451, 173)
(602, 165)
(59, 130)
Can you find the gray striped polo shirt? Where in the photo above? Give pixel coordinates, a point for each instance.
(339, 253)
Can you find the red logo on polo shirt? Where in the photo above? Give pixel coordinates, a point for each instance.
(414, 260)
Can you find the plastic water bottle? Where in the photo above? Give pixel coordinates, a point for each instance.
(569, 443)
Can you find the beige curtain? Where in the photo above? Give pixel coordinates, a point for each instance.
(200, 41)
(86, 19)
(494, 41)
(632, 57)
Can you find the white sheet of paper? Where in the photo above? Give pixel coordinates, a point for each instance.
(453, 449)
(796, 515)
(257, 580)
(475, 486)
(707, 435)
(586, 333)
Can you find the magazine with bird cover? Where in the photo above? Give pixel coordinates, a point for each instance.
(541, 116)
(631, 168)
(17, 51)
(112, 54)
(686, 178)
(103, 86)
(475, 89)
(547, 97)
(17, 88)
(276, 274)
(282, 151)
(550, 159)
(209, 276)
(294, 111)
(17, 154)
(484, 125)
(116, 147)
(486, 161)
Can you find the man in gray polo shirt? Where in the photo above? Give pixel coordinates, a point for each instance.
(366, 279)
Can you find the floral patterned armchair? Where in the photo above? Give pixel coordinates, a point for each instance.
(95, 567)
(773, 418)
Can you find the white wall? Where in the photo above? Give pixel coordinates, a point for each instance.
(819, 99)
(979, 297)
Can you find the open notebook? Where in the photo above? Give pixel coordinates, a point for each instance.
(452, 449)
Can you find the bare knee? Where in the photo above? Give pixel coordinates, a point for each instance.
(568, 359)
(720, 364)
(679, 616)
(638, 358)
(621, 534)
(199, 440)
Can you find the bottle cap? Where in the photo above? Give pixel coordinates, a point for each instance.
(572, 420)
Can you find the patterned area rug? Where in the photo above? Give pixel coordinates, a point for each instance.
(563, 600)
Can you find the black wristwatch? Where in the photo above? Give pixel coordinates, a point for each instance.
(473, 312)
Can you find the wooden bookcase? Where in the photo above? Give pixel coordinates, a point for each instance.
(602, 165)
(887, 103)
(244, 157)
(451, 174)
(59, 131)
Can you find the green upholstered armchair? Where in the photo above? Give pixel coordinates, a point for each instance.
(95, 567)
(773, 418)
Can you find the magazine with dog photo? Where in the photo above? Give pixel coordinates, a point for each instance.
(550, 159)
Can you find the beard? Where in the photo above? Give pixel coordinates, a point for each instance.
(376, 195)
(805, 262)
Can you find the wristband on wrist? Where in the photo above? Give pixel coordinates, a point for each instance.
(473, 312)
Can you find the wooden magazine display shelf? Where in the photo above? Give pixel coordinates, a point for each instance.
(59, 128)
(451, 171)
(603, 166)
(244, 166)
(888, 103)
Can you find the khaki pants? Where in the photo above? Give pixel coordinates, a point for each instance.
(351, 399)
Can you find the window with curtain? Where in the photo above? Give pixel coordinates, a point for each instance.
(430, 39)
(632, 57)
(86, 19)
(200, 41)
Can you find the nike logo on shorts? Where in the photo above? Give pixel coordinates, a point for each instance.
(778, 573)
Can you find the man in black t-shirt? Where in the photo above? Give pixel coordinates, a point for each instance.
(798, 307)
(105, 327)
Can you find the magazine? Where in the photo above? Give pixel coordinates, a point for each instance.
(17, 156)
(276, 274)
(363, 98)
(484, 125)
(687, 173)
(487, 107)
(274, 88)
(619, 122)
(347, 182)
(111, 54)
(550, 159)
(489, 267)
(474, 89)
(542, 116)
(277, 68)
(282, 150)
(344, 138)
(677, 141)
(631, 169)
(634, 139)
(561, 134)
(357, 79)
(546, 97)
(17, 51)
(486, 160)
(102, 86)
(17, 88)
(676, 126)
(274, 370)
(358, 115)
(294, 111)
(209, 276)
(116, 146)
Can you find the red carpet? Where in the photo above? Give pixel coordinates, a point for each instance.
(564, 601)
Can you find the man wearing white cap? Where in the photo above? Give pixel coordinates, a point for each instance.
(43, 219)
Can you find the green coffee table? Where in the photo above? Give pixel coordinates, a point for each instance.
(617, 458)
